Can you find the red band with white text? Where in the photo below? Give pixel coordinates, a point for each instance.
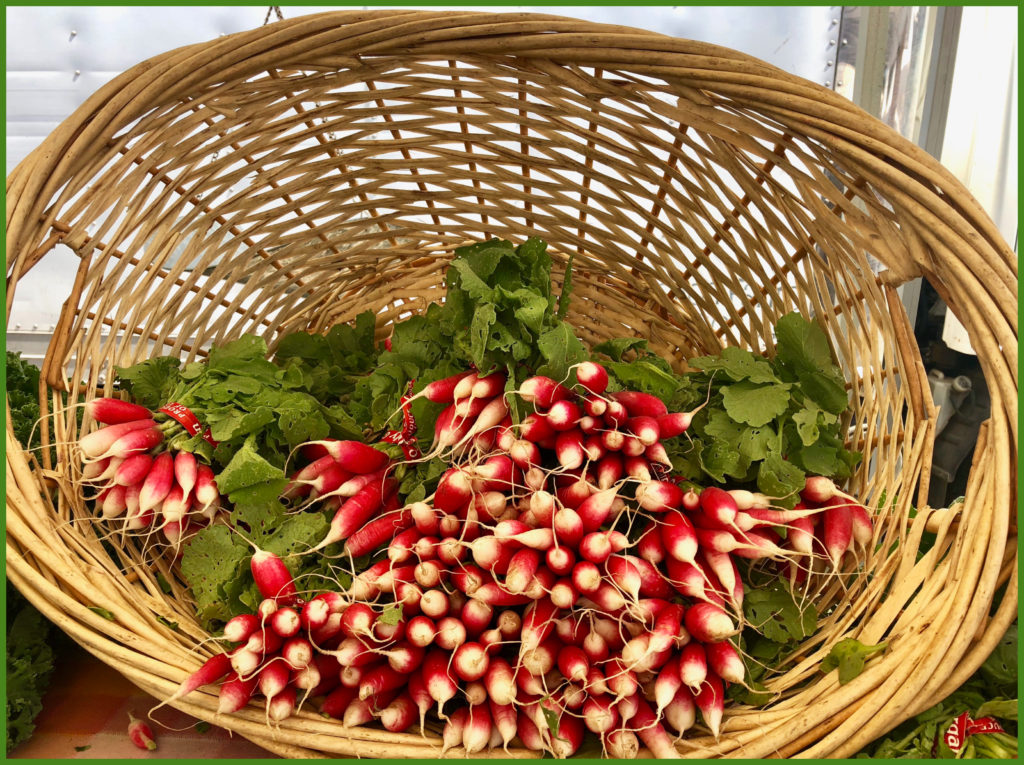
(963, 726)
(406, 437)
(184, 417)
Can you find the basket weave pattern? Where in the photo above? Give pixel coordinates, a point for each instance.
(292, 176)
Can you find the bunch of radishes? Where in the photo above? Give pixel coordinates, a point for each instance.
(138, 479)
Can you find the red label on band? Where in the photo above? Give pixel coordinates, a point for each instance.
(406, 436)
(963, 726)
(184, 417)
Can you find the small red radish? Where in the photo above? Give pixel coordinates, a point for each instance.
(356, 512)
(659, 496)
(863, 531)
(235, 693)
(114, 502)
(175, 505)
(521, 569)
(612, 440)
(568, 526)
(451, 633)
(710, 700)
(206, 492)
(443, 391)
(272, 577)
(493, 594)
(212, 670)
(538, 622)
(505, 719)
(818, 490)
(640, 404)
(592, 376)
(633, 447)
(264, 642)
(674, 424)
(158, 483)
(596, 509)
(285, 622)
(560, 560)
(113, 411)
(239, 628)
(837, 532)
(594, 406)
(599, 714)
(667, 683)
(540, 660)
(569, 449)
(638, 468)
(281, 706)
(434, 603)
(645, 428)
(681, 712)
(377, 532)
(338, 701)
(469, 408)
(489, 386)
(573, 663)
(134, 442)
(470, 661)
(420, 631)
(454, 727)
(139, 733)
(563, 415)
(622, 744)
(569, 737)
(525, 454)
(719, 505)
(399, 715)
(609, 470)
(563, 594)
(708, 623)
(625, 575)
(437, 676)
(615, 414)
(667, 624)
(542, 391)
(586, 577)
(133, 469)
(99, 443)
(647, 726)
(379, 679)
(725, 661)
(620, 680)
(273, 678)
(649, 546)
(297, 652)
(678, 536)
(454, 490)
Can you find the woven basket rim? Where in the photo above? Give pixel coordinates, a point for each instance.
(974, 257)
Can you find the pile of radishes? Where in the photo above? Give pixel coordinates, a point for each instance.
(137, 479)
(557, 581)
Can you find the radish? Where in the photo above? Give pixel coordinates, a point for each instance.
(678, 537)
(615, 413)
(420, 631)
(599, 714)
(400, 714)
(285, 622)
(356, 512)
(710, 701)
(569, 738)
(538, 622)
(573, 489)
(451, 633)
(800, 535)
(273, 678)
(375, 533)
(668, 683)
(505, 719)
(612, 440)
(863, 532)
(681, 712)
(134, 442)
(476, 616)
(355, 456)
(300, 481)
(440, 684)
(674, 424)
(175, 505)
(659, 496)
(622, 744)
(114, 502)
(272, 577)
(818, 490)
(470, 661)
(540, 660)
(158, 483)
(212, 670)
(281, 706)
(264, 642)
(298, 652)
(238, 629)
(640, 404)
(563, 594)
(651, 732)
(725, 661)
(563, 415)
(235, 694)
(400, 547)
(573, 663)
(592, 376)
(379, 679)
(139, 733)
(837, 530)
(469, 408)
(569, 449)
(98, 444)
(568, 526)
(633, 447)
(645, 428)
(625, 575)
(609, 470)
(499, 681)
(525, 454)
(337, 701)
(542, 391)
(560, 560)
(719, 506)
(361, 711)
(586, 577)
(607, 598)
(113, 411)
(206, 488)
(521, 568)
(133, 469)
(595, 510)
(494, 474)
(708, 623)
(452, 734)
(443, 391)
(489, 386)
(649, 546)
(638, 468)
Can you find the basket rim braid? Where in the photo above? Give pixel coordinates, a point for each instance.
(832, 211)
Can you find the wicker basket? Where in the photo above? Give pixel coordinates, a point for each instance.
(292, 176)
